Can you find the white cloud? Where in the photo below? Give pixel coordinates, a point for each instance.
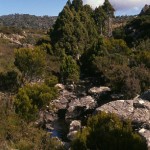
(93, 3)
(121, 5)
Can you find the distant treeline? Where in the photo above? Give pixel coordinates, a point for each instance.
(27, 21)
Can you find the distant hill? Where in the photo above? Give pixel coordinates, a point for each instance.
(27, 21)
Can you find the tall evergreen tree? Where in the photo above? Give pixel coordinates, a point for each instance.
(73, 31)
(100, 17)
(68, 3)
(77, 4)
(108, 8)
(62, 31)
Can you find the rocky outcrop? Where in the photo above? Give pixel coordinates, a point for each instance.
(137, 110)
(74, 107)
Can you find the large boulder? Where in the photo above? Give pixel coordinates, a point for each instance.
(75, 126)
(137, 110)
(79, 106)
(101, 94)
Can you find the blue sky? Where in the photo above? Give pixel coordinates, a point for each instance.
(34, 7)
(53, 7)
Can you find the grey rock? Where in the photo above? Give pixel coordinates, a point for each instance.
(75, 126)
(78, 107)
(99, 90)
(88, 102)
(145, 133)
(60, 86)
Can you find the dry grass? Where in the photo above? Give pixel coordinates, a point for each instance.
(6, 55)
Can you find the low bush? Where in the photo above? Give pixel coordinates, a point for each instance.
(31, 98)
(108, 132)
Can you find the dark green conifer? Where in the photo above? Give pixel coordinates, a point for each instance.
(77, 4)
(100, 17)
(108, 8)
(68, 3)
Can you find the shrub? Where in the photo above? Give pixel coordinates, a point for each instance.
(31, 98)
(9, 80)
(108, 132)
(69, 70)
(31, 62)
(51, 81)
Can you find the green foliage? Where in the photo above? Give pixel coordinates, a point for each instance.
(10, 30)
(44, 44)
(31, 98)
(51, 81)
(143, 57)
(108, 8)
(142, 73)
(137, 29)
(69, 70)
(117, 46)
(100, 17)
(78, 26)
(77, 4)
(31, 62)
(110, 51)
(119, 77)
(6, 53)
(53, 65)
(68, 3)
(15, 133)
(9, 81)
(116, 66)
(73, 31)
(143, 45)
(107, 131)
(119, 33)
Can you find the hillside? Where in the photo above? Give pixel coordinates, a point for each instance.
(27, 21)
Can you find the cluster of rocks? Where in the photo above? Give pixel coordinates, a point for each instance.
(74, 108)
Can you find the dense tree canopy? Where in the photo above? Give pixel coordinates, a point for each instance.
(78, 26)
(77, 4)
